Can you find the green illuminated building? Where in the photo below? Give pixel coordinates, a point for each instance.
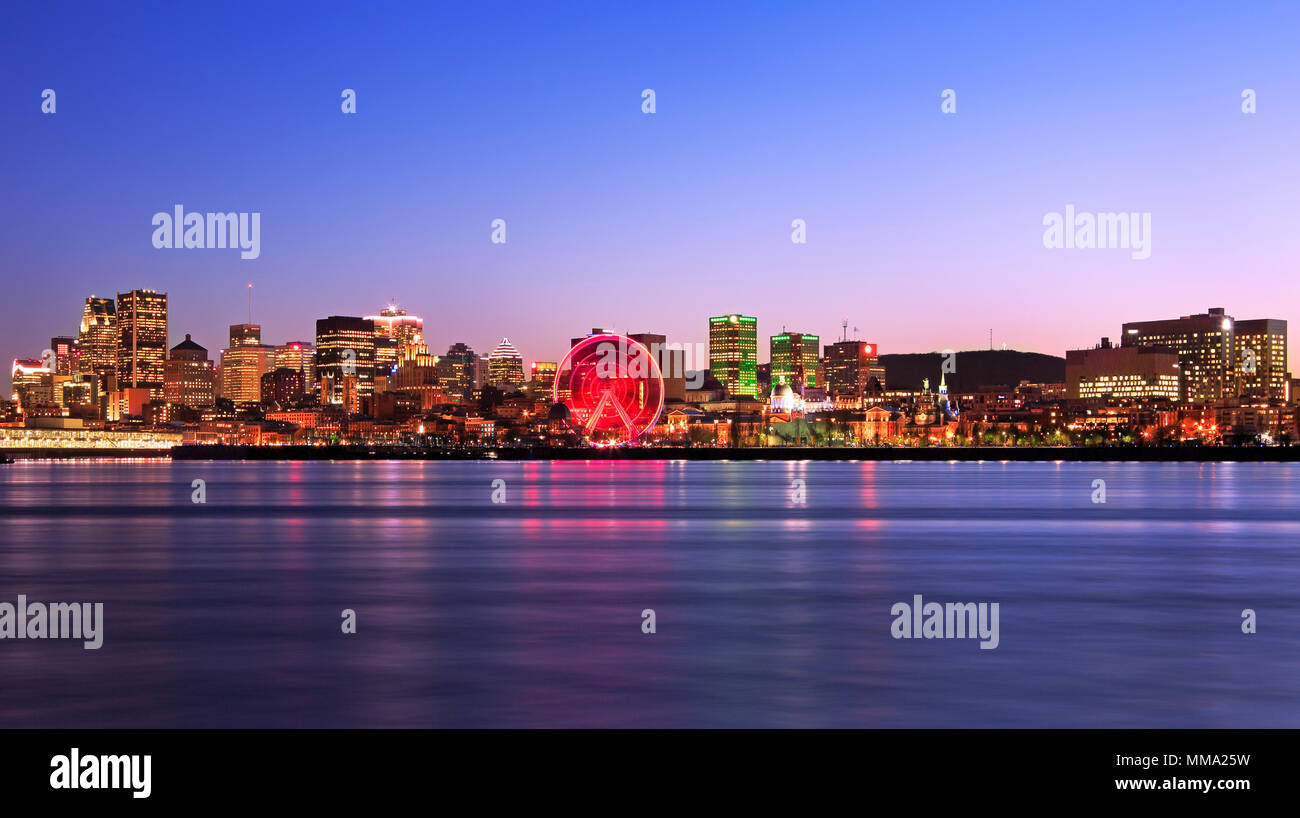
(794, 360)
(733, 353)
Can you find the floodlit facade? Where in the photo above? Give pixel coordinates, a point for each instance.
(505, 365)
(457, 371)
(1122, 373)
(1204, 346)
(345, 359)
(794, 357)
(188, 377)
(73, 436)
(142, 340)
(244, 364)
(850, 366)
(733, 353)
(1260, 358)
(299, 356)
(98, 338)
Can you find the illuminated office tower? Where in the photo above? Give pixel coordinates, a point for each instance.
(394, 323)
(394, 331)
(142, 340)
(541, 376)
(1121, 373)
(299, 356)
(30, 383)
(345, 359)
(98, 338)
(416, 367)
(1205, 348)
(67, 354)
(36, 385)
(244, 363)
(505, 366)
(283, 386)
(1260, 358)
(733, 353)
(456, 372)
(794, 357)
(417, 374)
(188, 378)
(245, 335)
(76, 390)
(850, 367)
(387, 356)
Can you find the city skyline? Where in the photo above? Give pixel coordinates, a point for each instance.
(394, 311)
(739, 365)
(924, 229)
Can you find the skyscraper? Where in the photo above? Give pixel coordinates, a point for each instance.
(850, 366)
(1204, 344)
(505, 366)
(98, 339)
(541, 376)
(1260, 358)
(244, 363)
(67, 352)
(456, 372)
(188, 378)
(393, 322)
(245, 335)
(394, 331)
(733, 353)
(142, 340)
(387, 355)
(345, 359)
(32, 383)
(794, 358)
(299, 356)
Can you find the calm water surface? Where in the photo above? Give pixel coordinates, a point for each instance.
(769, 613)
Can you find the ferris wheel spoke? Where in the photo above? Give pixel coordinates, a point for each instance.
(627, 421)
(597, 412)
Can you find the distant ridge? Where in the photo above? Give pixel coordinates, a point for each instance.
(976, 368)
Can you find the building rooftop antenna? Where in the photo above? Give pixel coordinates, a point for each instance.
(250, 302)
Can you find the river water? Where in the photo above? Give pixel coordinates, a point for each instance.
(772, 585)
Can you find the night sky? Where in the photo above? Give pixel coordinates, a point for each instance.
(924, 229)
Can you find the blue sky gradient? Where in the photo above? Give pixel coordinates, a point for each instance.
(924, 229)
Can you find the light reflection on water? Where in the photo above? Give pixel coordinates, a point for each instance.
(769, 613)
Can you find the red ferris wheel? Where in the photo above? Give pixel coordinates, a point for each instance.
(612, 386)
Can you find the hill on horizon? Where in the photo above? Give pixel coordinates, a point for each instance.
(974, 368)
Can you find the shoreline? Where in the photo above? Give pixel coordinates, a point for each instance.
(1136, 454)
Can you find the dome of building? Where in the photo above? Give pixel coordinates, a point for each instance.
(782, 398)
(559, 412)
